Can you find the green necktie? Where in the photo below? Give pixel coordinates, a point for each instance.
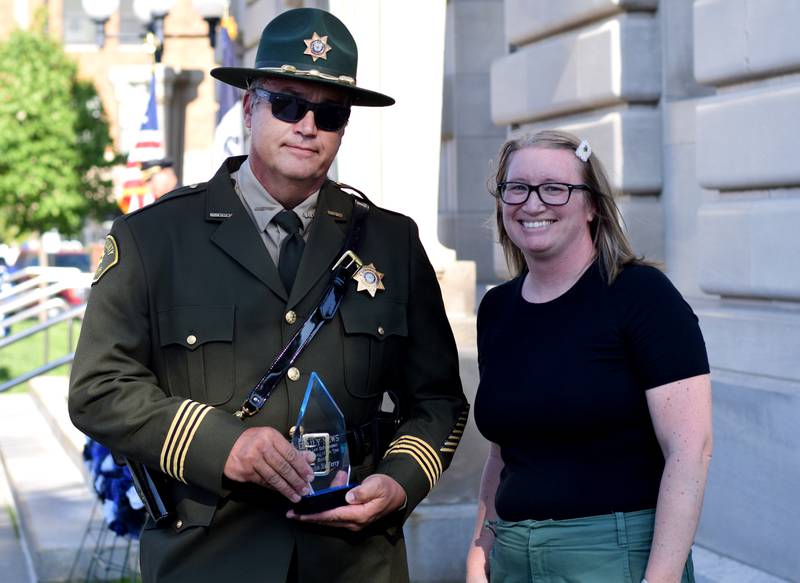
(292, 247)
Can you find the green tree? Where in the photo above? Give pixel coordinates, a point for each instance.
(53, 136)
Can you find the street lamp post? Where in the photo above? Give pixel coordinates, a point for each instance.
(100, 11)
(152, 13)
(212, 12)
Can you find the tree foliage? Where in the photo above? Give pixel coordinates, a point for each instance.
(53, 137)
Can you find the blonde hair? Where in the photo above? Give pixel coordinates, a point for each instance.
(613, 249)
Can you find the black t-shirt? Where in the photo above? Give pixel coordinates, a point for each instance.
(562, 391)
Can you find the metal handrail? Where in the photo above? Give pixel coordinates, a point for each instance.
(32, 277)
(38, 284)
(34, 293)
(75, 312)
(24, 378)
(43, 308)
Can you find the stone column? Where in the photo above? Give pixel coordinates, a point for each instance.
(749, 262)
(392, 153)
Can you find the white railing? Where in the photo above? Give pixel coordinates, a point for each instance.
(35, 291)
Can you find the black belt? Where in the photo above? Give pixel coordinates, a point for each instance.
(372, 438)
(359, 443)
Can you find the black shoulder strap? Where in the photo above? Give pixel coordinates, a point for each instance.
(344, 268)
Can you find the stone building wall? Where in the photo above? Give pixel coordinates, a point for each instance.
(473, 40)
(748, 262)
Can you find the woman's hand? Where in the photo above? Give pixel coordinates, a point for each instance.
(483, 538)
(478, 562)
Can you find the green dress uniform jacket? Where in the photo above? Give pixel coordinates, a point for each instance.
(186, 314)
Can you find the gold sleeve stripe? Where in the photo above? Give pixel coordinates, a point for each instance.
(182, 445)
(176, 439)
(427, 462)
(191, 437)
(414, 454)
(458, 431)
(424, 447)
(170, 432)
(179, 437)
(422, 456)
(449, 446)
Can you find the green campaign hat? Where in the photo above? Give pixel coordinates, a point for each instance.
(306, 44)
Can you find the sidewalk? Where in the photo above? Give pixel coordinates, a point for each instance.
(52, 501)
(15, 563)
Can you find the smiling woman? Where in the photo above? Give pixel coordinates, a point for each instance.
(554, 152)
(599, 358)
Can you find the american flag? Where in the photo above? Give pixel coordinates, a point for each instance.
(228, 135)
(149, 146)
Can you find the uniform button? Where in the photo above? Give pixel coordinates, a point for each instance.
(381, 331)
(293, 373)
(290, 317)
(191, 339)
(179, 524)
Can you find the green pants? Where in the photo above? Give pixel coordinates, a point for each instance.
(611, 548)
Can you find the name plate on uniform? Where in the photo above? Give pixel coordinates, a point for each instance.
(321, 429)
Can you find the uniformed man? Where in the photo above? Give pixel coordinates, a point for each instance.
(197, 293)
(159, 176)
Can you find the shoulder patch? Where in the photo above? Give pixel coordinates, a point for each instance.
(109, 259)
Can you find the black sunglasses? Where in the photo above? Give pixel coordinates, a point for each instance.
(330, 117)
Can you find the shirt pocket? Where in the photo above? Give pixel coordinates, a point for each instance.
(375, 336)
(197, 342)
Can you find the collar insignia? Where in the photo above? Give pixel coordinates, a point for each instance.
(317, 47)
(369, 279)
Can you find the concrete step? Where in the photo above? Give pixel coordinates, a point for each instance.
(15, 563)
(52, 499)
(55, 506)
(710, 567)
(49, 393)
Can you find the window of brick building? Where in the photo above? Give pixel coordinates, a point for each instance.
(78, 27)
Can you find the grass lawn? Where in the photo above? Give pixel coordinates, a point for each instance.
(30, 353)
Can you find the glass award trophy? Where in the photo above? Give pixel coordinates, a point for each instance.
(320, 428)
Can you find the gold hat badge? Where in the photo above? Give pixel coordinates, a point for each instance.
(369, 279)
(317, 47)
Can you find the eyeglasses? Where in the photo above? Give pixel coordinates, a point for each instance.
(550, 193)
(330, 117)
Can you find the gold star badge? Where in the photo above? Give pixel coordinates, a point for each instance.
(369, 279)
(317, 47)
